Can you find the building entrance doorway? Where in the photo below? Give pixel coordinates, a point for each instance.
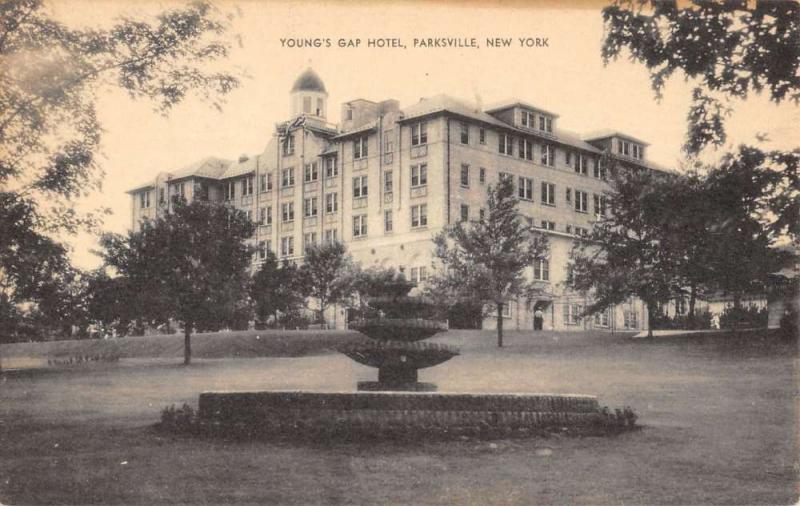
(539, 311)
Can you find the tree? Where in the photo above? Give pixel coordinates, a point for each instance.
(742, 254)
(193, 262)
(486, 260)
(729, 49)
(377, 284)
(49, 130)
(276, 288)
(325, 270)
(626, 253)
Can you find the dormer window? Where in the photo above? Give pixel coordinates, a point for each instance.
(349, 114)
(528, 119)
(545, 124)
(627, 148)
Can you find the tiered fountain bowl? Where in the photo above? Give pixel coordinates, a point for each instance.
(394, 347)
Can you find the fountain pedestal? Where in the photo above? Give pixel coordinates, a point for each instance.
(395, 351)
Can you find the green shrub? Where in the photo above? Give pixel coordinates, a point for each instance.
(745, 317)
(700, 321)
(183, 419)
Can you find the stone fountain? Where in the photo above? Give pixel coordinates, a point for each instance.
(394, 348)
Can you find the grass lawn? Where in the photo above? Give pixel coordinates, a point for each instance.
(719, 420)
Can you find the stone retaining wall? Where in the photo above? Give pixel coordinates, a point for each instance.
(269, 409)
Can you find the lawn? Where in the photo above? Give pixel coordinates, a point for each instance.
(719, 420)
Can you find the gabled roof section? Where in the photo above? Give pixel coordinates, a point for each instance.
(210, 167)
(513, 102)
(444, 103)
(239, 168)
(608, 133)
(367, 127)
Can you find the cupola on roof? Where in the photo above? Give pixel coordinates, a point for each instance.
(309, 81)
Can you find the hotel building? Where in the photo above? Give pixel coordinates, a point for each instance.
(386, 180)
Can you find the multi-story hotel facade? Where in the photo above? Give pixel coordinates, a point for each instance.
(386, 180)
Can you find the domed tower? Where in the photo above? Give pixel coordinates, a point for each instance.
(309, 96)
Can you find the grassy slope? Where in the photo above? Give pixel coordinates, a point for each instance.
(719, 416)
(242, 344)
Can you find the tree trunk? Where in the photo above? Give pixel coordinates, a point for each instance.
(650, 312)
(187, 343)
(499, 324)
(737, 301)
(692, 300)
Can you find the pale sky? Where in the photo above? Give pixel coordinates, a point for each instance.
(567, 78)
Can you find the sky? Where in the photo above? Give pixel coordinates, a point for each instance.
(567, 77)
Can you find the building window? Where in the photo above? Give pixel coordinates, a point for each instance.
(287, 211)
(287, 177)
(465, 176)
(331, 169)
(359, 186)
(360, 147)
(581, 164)
(360, 225)
(464, 127)
(230, 190)
(287, 246)
(464, 212)
(144, 200)
(572, 314)
(599, 170)
(599, 205)
(265, 215)
(548, 225)
(549, 194)
(349, 114)
(637, 151)
(602, 319)
(331, 202)
(505, 176)
(623, 147)
(311, 173)
(541, 269)
(262, 250)
(526, 149)
(265, 182)
(630, 320)
(307, 105)
(528, 119)
(419, 175)
(419, 134)
(331, 236)
(388, 181)
(418, 274)
(482, 213)
(288, 145)
(247, 186)
(388, 141)
(310, 207)
(419, 216)
(505, 145)
(545, 124)
(525, 188)
(387, 221)
(568, 195)
(482, 135)
(548, 155)
(581, 201)
(482, 175)
(309, 241)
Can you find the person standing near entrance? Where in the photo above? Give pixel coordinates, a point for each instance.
(538, 319)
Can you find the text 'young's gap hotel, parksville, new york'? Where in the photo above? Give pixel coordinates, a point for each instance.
(386, 180)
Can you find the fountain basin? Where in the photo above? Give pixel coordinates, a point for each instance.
(398, 329)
